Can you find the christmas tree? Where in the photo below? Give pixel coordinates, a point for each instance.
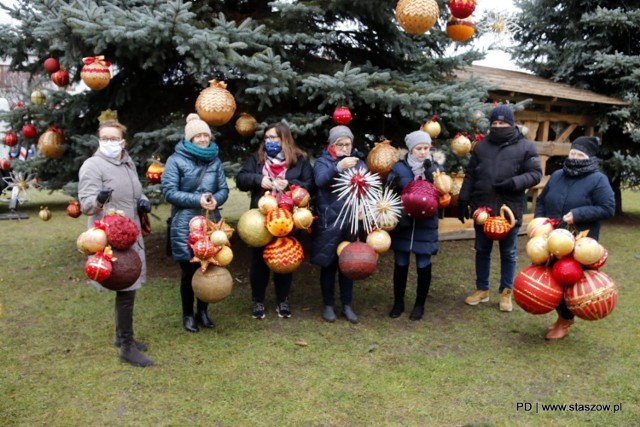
(293, 61)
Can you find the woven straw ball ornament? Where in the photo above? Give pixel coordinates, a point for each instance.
(381, 158)
(283, 255)
(215, 104)
(417, 16)
(212, 285)
(246, 124)
(50, 143)
(95, 72)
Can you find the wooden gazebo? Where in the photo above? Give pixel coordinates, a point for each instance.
(556, 114)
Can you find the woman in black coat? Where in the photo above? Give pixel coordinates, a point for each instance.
(277, 165)
(580, 196)
(419, 236)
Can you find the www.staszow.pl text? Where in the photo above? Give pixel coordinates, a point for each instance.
(571, 407)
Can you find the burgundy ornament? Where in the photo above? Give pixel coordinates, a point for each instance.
(51, 65)
(126, 267)
(419, 199)
(358, 260)
(342, 116)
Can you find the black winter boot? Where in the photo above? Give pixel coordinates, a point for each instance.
(124, 319)
(201, 315)
(399, 286)
(424, 282)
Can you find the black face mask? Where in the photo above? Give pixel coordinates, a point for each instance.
(502, 134)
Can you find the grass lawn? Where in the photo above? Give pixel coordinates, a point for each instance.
(459, 366)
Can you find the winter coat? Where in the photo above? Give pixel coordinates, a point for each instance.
(419, 236)
(250, 177)
(180, 187)
(101, 172)
(491, 163)
(326, 235)
(590, 198)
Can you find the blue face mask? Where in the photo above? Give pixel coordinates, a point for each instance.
(272, 148)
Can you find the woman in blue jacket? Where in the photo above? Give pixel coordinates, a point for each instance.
(193, 180)
(579, 196)
(327, 235)
(277, 165)
(419, 236)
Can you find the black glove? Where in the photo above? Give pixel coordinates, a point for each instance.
(144, 205)
(464, 210)
(427, 164)
(104, 196)
(505, 185)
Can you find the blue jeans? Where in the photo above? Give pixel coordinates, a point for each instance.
(402, 259)
(508, 250)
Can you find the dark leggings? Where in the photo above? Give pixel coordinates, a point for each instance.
(186, 290)
(259, 278)
(564, 312)
(327, 285)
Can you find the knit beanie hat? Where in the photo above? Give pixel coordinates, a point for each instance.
(338, 132)
(503, 113)
(415, 138)
(587, 144)
(195, 126)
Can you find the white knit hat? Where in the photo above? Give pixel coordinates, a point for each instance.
(195, 126)
(415, 138)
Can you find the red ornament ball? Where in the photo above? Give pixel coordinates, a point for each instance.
(593, 297)
(536, 291)
(567, 271)
(126, 268)
(122, 231)
(51, 65)
(29, 131)
(283, 255)
(60, 78)
(358, 260)
(98, 267)
(73, 209)
(342, 116)
(462, 8)
(10, 139)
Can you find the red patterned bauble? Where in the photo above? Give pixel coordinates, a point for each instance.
(212, 285)
(122, 231)
(279, 222)
(444, 200)
(481, 214)
(29, 131)
(51, 65)
(5, 163)
(593, 297)
(126, 268)
(419, 199)
(357, 260)
(283, 255)
(154, 173)
(299, 195)
(462, 8)
(95, 72)
(535, 290)
(194, 236)
(599, 263)
(60, 78)
(73, 209)
(285, 201)
(98, 267)
(342, 116)
(10, 139)
(497, 227)
(203, 249)
(567, 271)
(198, 224)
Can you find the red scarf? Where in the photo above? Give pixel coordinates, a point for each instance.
(332, 152)
(274, 168)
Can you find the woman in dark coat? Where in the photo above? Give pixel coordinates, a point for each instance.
(419, 236)
(193, 180)
(327, 235)
(277, 165)
(578, 195)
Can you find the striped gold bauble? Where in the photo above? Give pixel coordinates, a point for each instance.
(417, 16)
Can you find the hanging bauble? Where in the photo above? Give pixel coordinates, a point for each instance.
(561, 242)
(419, 199)
(541, 226)
(266, 203)
(37, 97)
(279, 222)
(126, 268)
(224, 256)
(599, 263)
(95, 72)
(283, 255)
(29, 131)
(122, 231)
(432, 127)
(442, 182)
(10, 139)
(379, 240)
(566, 271)
(460, 145)
(417, 16)
(535, 290)
(98, 266)
(50, 143)
(460, 29)
(73, 209)
(497, 227)
(537, 250)
(5, 163)
(444, 200)
(357, 260)
(51, 65)
(593, 297)
(302, 218)
(198, 224)
(45, 213)
(342, 116)
(381, 158)
(92, 240)
(251, 229)
(481, 214)
(60, 78)
(154, 172)
(587, 250)
(246, 124)
(462, 8)
(300, 196)
(215, 104)
(219, 238)
(212, 285)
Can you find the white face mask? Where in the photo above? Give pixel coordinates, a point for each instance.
(111, 149)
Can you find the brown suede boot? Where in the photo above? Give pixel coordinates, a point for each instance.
(561, 329)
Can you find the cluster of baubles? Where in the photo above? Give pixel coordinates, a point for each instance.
(112, 261)
(272, 224)
(209, 242)
(564, 264)
(419, 16)
(95, 73)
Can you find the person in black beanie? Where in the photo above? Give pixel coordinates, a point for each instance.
(579, 196)
(502, 167)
